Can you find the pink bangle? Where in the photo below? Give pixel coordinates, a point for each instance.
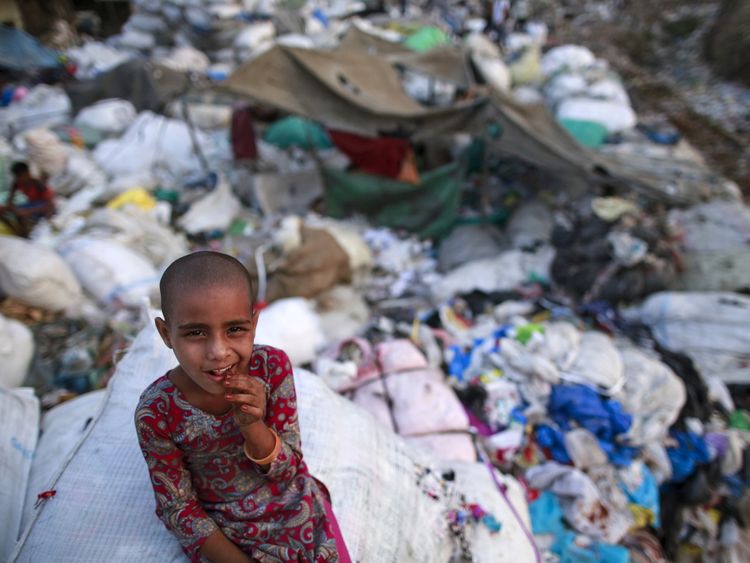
(270, 458)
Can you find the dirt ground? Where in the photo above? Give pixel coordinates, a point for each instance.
(657, 48)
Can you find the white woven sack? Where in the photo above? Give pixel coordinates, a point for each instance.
(19, 428)
(62, 428)
(104, 506)
(110, 271)
(109, 117)
(16, 351)
(36, 275)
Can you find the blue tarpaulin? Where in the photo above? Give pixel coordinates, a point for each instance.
(20, 51)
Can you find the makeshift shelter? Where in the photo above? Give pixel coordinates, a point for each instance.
(356, 88)
(20, 51)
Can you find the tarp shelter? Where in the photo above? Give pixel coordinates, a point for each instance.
(20, 51)
(147, 85)
(357, 88)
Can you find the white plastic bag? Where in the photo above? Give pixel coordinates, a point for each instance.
(571, 57)
(712, 328)
(43, 106)
(615, 116)
(215, 210)
(110, 271)
(294, 326)
(110, 117)
(16, 351)
(36, 275)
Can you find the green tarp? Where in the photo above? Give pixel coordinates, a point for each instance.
(428, 209)
(297, 131)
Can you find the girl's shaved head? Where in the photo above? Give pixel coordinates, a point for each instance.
(201, 269)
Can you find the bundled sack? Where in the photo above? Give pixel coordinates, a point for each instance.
(16, 351)
(110, 271)
(715, 240)
(376, 482)
(80, 172)
(505, 271)
(711, 328)
(46, 151)
(43, 106)
(36, 275)
(407, 396)
(152, 142)
(140, 232)
(19, 429)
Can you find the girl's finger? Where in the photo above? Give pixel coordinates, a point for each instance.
(244, 398)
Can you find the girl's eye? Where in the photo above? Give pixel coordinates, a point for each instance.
(194, 333)
(236, 330)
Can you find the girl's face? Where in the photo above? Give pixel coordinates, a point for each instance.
(211, 331)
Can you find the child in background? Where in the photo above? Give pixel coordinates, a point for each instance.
(219, 432)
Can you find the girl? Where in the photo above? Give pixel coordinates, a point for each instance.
(219, 432)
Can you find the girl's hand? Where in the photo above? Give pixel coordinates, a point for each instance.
(248, 397)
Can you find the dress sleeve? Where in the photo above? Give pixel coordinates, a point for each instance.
(176, 503)
(281, 416)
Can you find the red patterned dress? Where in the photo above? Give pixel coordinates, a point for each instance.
(202, 479)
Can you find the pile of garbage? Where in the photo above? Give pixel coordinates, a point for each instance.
(540, 300)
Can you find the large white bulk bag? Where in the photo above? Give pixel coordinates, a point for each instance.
(62, 429)
(110, 271)
(19, 428)
(16, 351)
(151, 142)
(109, 117)
(36, 275)
(104, 506)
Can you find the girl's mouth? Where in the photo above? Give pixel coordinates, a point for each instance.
(218, 375)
